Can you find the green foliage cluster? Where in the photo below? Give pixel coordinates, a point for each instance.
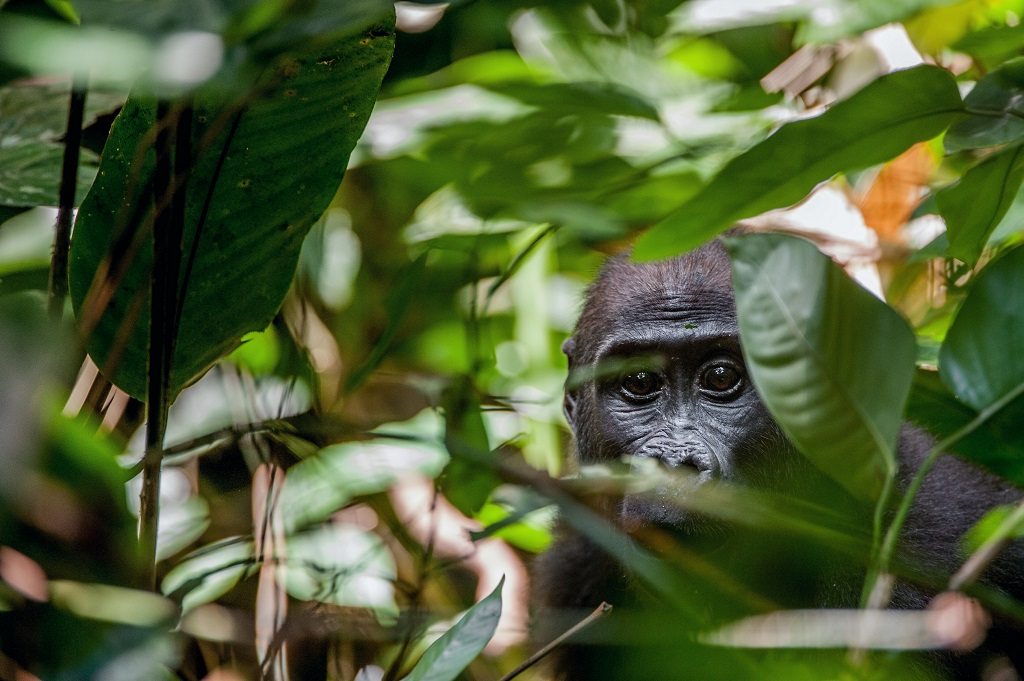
(269, 357)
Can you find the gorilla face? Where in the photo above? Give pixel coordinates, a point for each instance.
(662, 341)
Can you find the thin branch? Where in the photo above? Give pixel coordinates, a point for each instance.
(58, 286)
(873, 586)
(598, 613)
(989, 551)
(168, 232)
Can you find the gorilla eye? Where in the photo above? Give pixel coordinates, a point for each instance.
(721, 378)
(641, 384)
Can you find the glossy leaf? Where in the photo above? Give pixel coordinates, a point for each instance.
(973, 206)
(832, 362)
(980, 360)
(264, 174)
(996, 110)
(872, 126)
(453, 652)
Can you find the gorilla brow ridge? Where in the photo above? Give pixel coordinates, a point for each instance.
(621, 280)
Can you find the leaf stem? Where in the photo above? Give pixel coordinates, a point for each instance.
(169, 179)
(988, 551)
(58, 284)
(599, 612)
(892, 535)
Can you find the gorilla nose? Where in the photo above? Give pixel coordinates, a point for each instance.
(686, 461)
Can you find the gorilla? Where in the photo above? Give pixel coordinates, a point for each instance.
(667, 382)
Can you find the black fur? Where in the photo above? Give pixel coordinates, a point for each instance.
(682, 313)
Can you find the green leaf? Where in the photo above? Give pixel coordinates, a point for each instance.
(453, 652)
(264, 174)
(342, 565)
(997, 522)
(974, 205)
(995, 110)
(469, 478)
(980, 359)
(209, 573)
(872, 126)
(601, 98)
(832, 362)
(319, 486)
(33, 118)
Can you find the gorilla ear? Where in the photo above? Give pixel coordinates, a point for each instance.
(569, 401)
(569, 347)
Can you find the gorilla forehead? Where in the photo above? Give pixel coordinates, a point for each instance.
(686, 293)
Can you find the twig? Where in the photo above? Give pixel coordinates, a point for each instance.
(989, 551)
(892, 535)
(414, 599)
(168, 232)
(598, 613)
(58, 285)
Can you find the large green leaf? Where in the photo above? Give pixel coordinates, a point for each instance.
(263, 175)
(980, 360)
(997, 444)
(33, 118)
(832, 362)
(341, 564)
(996, 110)
(973, 206)
(872, 126)
(453, 652)
(322, 484)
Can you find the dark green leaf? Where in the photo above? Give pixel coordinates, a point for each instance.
(33, 118)
(453, 652)
(980, 358)
(832, 362)
(469, 478)
(997, 444)
(264, 174)
(973, 206)
(872, 126)
(995, 110)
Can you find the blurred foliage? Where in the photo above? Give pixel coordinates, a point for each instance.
(367, 437)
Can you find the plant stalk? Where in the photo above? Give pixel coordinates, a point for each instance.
(58, 284)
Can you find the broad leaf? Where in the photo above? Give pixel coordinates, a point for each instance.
(453, 652)
(210, 572)
(996, 444)
(832, 362)
(319, 486)
(973, 206)
(343, 565)
(872, 126)
(980, 360)
(33, 119)
(264, 173)
(996, 110)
